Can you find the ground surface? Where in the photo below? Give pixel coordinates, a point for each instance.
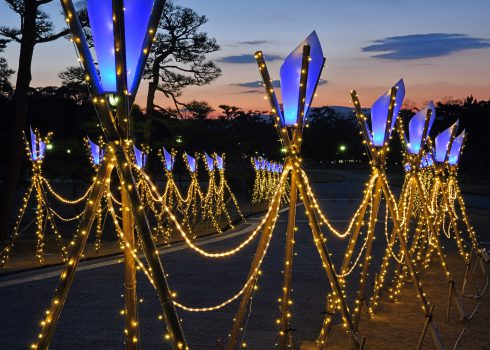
(91, 318)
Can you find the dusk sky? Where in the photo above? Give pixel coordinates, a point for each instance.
(440, 47)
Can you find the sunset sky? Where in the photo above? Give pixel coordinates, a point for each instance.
(440, 47)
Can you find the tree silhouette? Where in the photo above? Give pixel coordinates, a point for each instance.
(35, 28)
(178, 57)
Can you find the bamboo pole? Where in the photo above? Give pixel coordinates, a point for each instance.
(327, 262)
(142, 225)
(74, 255)
(418, 287)
(259, 254)
(285, 333)
(130, 301)
(361, 292)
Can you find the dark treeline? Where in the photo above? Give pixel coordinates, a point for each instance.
(329, 138)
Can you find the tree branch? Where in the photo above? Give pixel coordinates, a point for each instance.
(53, 37)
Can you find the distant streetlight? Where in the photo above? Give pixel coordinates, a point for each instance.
(179, 139)
(342, 148)
(68, 151)
(49, 147)
(284, 150)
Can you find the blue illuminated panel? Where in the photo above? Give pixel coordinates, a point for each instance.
(169, 160)
(192, 163)
(209, 162)
(442, 142)
(416, 128)
(219, 163)
(136, 18)
(100, 17)
(379, 113)
(140, 157)
(96, 152)
(456, 149)
(290, 74)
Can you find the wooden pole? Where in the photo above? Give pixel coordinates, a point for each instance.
(285, 333)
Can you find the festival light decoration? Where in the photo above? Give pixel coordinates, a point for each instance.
(291, 139)
(35, 149)
(124, 31)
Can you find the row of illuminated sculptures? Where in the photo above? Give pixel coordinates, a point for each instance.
(202, 206)
(413, 238)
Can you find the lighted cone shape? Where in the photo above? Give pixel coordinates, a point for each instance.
(290, 74)
(96, 152)
(219, 163)
(379, 114)
(442, 143)
(191, 161)
(169, 160)
(456, 148)
(209, 162)
(263, 164)
(136, 17)
(140, 157)
(38, 147)
(416, 128)
(256, 163)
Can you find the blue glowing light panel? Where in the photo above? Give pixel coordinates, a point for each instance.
(219, 163)
(191, 161)
(96, 152)
(209, 162)
(136, 17)
(290, 74)
(169, 160)
(456, 148)
(416, 128)
(38, 147)
(140, 157)
(442, 142)
(256, 164)
(379, 113)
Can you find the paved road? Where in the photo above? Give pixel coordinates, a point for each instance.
(91, 318)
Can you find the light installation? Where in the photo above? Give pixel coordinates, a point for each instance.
(44, 214)
(442, 142)
(300, 75)
(291, 136)
(140, 157)
(121, 59)
(417, 195)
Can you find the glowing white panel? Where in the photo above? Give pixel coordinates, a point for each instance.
(192, 163)
(416, 128)
(456, 149)
(442, 142)
(379, 113)
(290, 74)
